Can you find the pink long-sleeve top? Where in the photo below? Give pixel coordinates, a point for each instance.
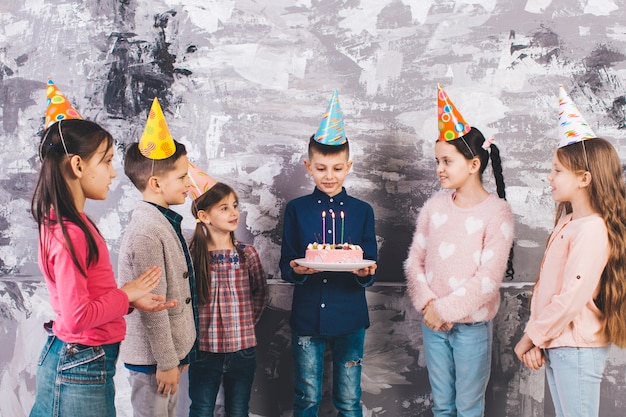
(563, 311)
(458, 257)
(90, 309)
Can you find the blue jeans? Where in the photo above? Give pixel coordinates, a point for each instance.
(574, 377)
(459, 365)
(207, 372)
(75, 380)
(308, 363)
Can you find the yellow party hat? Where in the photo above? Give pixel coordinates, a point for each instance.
(156, 141)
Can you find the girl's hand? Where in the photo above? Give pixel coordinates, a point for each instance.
(152, 303)
(523, 346)
(534, 358)
(143, 284)
(368, 270)
(302, 270)
(432, 319)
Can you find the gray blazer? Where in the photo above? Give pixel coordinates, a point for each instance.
(165, 337)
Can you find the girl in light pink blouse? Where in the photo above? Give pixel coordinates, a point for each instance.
(455, 265)
(578, 306)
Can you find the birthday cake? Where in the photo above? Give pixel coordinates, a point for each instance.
(333, 254)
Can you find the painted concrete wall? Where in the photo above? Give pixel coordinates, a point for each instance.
(244, 84)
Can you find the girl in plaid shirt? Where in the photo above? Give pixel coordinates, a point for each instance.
(231, 289)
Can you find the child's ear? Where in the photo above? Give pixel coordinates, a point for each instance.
(474, 165)
(153, 184)
(307, 165)
(76, 165)
(585, 179)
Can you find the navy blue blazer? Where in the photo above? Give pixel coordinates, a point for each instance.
(327, 303)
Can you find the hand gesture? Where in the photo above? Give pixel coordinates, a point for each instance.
(152, 303)
(143, 284)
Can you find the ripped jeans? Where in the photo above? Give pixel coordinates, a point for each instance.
(308, 364)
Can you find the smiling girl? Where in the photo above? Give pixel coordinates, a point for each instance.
(455, 265)
(231, 296)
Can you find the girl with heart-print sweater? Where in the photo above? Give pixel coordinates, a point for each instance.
(454, 268)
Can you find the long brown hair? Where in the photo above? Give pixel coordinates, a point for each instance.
(199, 244)
(58, 143)
(607, 196)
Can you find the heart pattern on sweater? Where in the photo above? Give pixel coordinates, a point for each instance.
(446, 250)
(421, 241)
(473, 224)
(455, 283)
(506, 229)
(438, 219)
(486, 256)
(488, 285)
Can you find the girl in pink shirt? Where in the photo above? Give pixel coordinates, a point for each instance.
(578, 306)
(77, 363)
(455, 265)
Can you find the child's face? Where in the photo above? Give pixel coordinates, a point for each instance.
(328, 171)
(97, 173)
(222, 217)
(565, 183)
(174, 185)
(453, 170)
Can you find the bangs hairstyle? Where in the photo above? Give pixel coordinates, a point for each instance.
(199, 244)
(139, 168)
(315, 146)
(52, 194)
(607, 196)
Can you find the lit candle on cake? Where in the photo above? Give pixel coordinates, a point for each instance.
(324, 227)
(332, 214)
(342, 222)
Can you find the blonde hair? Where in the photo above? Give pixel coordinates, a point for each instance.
(607, 196)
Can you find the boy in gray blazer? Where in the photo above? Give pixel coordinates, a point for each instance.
(157, 345)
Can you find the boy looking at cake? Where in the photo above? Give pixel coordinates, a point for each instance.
(329, 308)
(157, 345)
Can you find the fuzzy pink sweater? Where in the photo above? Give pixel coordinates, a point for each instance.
(458, 257)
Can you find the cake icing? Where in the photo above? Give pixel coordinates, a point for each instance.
(335, 254)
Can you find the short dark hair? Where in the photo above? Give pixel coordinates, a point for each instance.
(315, 146)
(139, 168)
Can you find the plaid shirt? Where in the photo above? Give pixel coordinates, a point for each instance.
(236, 300)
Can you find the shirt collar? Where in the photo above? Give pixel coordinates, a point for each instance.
(174, 218)
(321, 196)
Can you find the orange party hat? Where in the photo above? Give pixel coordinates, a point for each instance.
(58, 106)
(451, 123)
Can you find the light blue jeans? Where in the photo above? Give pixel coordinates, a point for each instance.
(459, 365)
(574, 377)
(75, 380)
(308, 363)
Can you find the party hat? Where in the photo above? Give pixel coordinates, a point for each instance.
(156, 141)
(572, 126)
(331, 130)
(201, 182)
(451, 123)
(58, 106)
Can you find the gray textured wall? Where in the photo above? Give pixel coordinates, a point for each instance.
(243, 78)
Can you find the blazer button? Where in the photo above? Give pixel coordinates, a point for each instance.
(186, 274)
(323, 305)
(188, 300)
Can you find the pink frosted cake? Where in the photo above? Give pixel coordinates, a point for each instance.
(333, 254)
